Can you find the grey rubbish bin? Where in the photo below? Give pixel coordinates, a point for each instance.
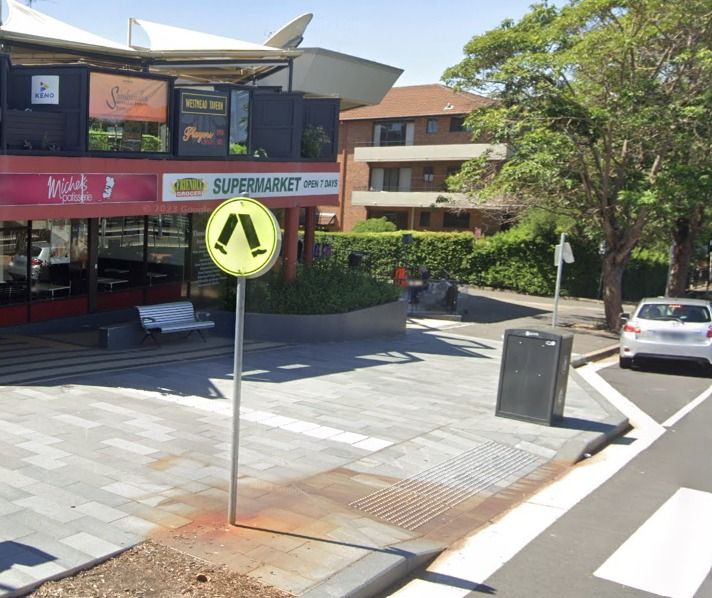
(534, 374)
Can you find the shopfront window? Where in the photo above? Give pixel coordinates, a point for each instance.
(13, 262)
(58, 257)
(239, 121)
(168, 243)
(207, 281)
(120, 253)
(127, 114)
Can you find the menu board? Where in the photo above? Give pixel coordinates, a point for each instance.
(202, 123)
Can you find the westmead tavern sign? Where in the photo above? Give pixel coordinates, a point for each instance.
(196, 187)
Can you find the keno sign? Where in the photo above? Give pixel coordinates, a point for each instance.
(45, 89)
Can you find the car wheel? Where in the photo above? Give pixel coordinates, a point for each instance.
(625, 362)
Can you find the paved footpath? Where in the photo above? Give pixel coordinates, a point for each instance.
(330, 433)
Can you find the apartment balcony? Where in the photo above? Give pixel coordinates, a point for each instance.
(411, 199)
(430, 153)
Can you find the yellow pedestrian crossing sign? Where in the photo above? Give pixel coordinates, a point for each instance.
(243, 237)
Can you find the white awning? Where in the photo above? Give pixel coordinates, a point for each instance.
(28, 25)
(167, 39)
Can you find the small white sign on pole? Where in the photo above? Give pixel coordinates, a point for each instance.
(567, 255)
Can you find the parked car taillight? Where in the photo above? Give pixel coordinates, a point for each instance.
(709, 332)
(36, 261)
(631, 328)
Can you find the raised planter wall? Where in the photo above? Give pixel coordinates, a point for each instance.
(383, 320)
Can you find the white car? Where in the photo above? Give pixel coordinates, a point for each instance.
(40, 257)
(674, 328)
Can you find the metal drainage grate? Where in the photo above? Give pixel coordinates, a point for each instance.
(416, 500)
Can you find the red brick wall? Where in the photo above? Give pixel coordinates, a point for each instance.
(355, 175)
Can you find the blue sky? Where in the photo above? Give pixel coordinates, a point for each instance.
(423, 38)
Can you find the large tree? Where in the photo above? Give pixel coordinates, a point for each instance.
(597, 100)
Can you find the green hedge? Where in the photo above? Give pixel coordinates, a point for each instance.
(517, 259)
(325, 288)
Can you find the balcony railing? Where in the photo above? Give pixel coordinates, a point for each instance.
(430, 153)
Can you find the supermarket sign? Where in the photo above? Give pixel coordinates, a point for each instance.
(211, 186)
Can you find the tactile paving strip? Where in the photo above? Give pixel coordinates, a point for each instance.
(414, 501)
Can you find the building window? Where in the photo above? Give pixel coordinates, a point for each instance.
(13, 262)
(390, 179)
(239, 121)
(431, 126)
(428, 175)
(168, 243)
(457, 124)
(424, 219)
(127, 114)
(120, 253)
(393, 133)
(458, 220)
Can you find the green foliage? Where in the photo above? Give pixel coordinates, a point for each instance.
(325, 288)
(238, 149)
(374, 225)
(605, 107)
(314, 139)
(150, 143)
(645, 275)
(520, 259)
(99, 140)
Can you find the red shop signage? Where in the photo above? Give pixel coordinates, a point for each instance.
(76, 188)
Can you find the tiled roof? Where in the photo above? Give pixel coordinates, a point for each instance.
(419, 100)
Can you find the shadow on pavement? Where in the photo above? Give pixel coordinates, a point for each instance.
(17, 553)
(285, 364)
(485, 310)
(674, 368)
(585, 425)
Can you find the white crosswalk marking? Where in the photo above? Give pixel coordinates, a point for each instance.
(671, 553)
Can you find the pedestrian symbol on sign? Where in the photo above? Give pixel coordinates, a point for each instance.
(243, 237)
(250, 234)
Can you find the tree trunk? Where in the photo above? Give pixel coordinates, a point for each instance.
(612, 283)
(683, 236)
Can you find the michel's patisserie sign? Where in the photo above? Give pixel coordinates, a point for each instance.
(202, 186)
(75, 188)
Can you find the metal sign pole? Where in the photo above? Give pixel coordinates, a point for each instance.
(236, 388)
(559, 268)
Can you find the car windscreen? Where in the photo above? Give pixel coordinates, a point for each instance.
(674, 311)
(35, 250)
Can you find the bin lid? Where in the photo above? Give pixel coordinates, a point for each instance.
(545, 332)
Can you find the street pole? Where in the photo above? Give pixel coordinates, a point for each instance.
(236, 390)
(559, 270)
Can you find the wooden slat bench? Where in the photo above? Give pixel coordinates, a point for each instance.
(178, 316)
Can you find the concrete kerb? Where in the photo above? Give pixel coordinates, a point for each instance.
(594, 356)
(377, 571)
(24, 590)
(616, 424)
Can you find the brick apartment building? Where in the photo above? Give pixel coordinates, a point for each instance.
(395, 156)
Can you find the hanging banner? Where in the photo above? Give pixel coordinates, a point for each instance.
(202, 123)
(117, 97)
